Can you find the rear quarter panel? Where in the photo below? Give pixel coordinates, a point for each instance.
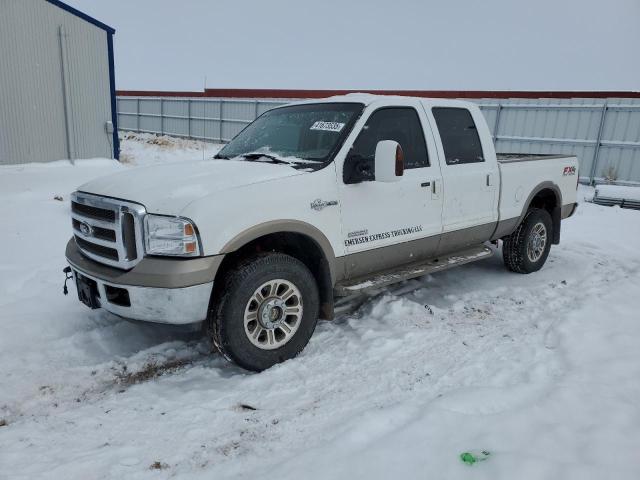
(520, 179)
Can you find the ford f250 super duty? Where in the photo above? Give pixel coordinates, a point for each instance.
(312, 201)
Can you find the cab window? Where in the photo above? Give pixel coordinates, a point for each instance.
(459, 135)
(396, 123)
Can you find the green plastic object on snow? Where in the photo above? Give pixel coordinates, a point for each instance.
(474, 456)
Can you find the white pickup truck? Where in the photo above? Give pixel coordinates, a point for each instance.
(310, 202)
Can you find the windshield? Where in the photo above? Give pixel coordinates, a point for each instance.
(304, 135)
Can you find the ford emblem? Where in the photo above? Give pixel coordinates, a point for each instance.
(85, 229)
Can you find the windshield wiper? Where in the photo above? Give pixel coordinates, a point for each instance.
(253, 156)
(218, 156)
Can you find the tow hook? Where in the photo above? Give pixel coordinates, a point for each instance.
(67, 276)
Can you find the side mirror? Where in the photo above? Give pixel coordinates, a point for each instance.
(389, 161)
(357, 170)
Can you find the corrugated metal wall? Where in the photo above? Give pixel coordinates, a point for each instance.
(603, 133)
(215, 120)
(32, 99)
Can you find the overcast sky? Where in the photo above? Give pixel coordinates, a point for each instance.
(359, 44)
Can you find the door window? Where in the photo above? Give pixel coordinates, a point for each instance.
(399, 124)
(459, 135)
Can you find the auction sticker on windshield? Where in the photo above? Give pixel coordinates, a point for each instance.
(327, 126)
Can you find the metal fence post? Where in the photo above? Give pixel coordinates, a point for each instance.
(596, 150)
(221, 119)
(161, 116)
(255, 113)
(496, 124)
(138, 114)
(188, 118)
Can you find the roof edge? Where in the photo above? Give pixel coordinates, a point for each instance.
(82, 15)
(306, 94)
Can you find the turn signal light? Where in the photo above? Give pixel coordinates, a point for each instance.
(399, 161)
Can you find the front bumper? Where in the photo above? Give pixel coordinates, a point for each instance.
(177, 306)
(168, 291)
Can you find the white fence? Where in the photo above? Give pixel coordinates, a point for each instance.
(603, 133)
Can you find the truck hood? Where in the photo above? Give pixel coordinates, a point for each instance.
(169, 188)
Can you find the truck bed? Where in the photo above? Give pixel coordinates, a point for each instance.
(526, 157)
(523, 174)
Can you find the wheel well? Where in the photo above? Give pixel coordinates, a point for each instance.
(548, 200)
(297, 245)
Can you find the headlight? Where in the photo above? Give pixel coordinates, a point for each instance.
(170, 236)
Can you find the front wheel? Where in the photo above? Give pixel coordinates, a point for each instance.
(527, 248)
(266, 312)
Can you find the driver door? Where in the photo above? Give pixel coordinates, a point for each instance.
(388, 224)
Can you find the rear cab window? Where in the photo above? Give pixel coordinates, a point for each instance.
(459, 135)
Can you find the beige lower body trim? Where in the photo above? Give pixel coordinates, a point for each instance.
(376, 260)
(151, 271)
(568, 210)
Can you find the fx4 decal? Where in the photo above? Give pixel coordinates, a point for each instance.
(569, 171)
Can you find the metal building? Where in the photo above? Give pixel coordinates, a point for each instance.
(57, 84)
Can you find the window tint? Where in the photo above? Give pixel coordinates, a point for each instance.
(459, 135)
(399, 124)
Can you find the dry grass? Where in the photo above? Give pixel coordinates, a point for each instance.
(158, 466)
(150, 371)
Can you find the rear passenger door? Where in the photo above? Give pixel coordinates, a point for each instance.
(470, 181)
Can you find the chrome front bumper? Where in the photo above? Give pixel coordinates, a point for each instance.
(177, 306)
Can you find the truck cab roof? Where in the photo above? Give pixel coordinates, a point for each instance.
(369, 99)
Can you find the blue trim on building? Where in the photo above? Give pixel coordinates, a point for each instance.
(114, 104)
(83, 16)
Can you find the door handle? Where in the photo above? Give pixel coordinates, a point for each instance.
(425, 184)
(489, 180)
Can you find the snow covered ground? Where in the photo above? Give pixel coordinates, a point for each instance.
(619, 191)
(542, 370)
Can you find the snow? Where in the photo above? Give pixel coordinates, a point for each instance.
(541, 370)
(618, 191)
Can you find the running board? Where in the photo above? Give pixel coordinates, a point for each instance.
(407, 272)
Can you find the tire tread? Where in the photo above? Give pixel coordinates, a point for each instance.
(231, 282)
(514, 246)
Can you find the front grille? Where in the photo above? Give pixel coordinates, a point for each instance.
(98, 232)
(107, 230)
(96, 249)
(93, 212)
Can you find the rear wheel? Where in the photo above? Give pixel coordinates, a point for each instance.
(266, 312)
(527, 248)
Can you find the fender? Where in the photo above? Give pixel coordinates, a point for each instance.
(284, 226)
(556, 215)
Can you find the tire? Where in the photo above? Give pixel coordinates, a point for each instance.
(523, 251)
(251, 322)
